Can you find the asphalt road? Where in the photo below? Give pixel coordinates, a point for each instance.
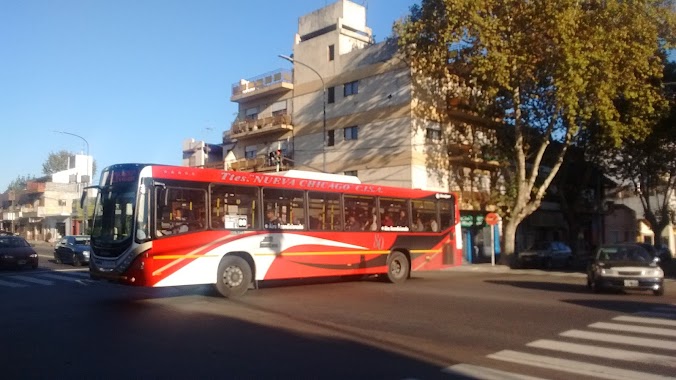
(463, 323)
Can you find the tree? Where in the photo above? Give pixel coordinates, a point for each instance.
(649, 165)
(547, 72)
(19, 183)
(56, 162)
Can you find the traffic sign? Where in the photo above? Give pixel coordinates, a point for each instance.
(492, 218)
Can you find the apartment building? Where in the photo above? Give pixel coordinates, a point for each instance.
(351, 106)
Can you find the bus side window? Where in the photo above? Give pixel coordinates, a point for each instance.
(233, 207)
(324, 211)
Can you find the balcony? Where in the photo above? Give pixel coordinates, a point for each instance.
(274, 82)
(259, 164)
(261, 126)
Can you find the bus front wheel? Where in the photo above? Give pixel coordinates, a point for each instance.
(234, 277)
(398, 267)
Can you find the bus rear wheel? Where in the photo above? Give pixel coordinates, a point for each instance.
(398, 267)
(234, 277)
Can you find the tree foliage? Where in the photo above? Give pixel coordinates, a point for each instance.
(649, 165)
(19, 183)
(57, 161)
(551, 73)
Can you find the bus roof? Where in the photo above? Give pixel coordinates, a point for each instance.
(318, 175)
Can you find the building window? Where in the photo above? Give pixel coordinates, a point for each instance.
(433, 134)
(251, 113)
(351, 133)
(250, 151)
(331, 138)
(350, 172)
(351, 88)
(332, 50)
(331, 95)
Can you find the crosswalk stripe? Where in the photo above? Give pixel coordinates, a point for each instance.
(60, 277)
(628, 340)
(603, 352)
(573, 366)
(11, 284)
(630, 328)
(484, 373)
(650, 321)
(32, 279)
(656, 314)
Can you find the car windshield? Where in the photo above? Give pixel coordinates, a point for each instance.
(624, 253)
(82, 240)
(12, 242)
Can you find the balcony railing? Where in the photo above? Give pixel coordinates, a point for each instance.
(260, 164)
(261, 126)
(262, 81)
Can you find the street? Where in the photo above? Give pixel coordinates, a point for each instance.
(460, 323)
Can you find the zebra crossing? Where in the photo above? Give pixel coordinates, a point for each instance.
(605, 349)
(44, 278)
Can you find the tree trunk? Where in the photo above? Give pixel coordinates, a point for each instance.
(509, 239)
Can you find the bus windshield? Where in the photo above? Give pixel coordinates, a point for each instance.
(113, 215)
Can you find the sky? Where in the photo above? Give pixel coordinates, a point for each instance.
(135, 78)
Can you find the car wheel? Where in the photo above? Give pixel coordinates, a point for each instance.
(659, 292)
(589, 283)
(234, 277)
(76, 260)
(57, 259)
(398, 267)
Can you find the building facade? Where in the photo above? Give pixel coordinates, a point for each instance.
(48, 207)
(352, 106)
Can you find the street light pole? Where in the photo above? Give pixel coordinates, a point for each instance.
(86, 216)
(292, 60)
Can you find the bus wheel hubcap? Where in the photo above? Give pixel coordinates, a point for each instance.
(233, 276)
(395, 267)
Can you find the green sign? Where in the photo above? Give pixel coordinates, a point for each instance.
(472, 220)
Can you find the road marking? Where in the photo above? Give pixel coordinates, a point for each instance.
(32, 279)
(603, 352)
(11, 284)
(656, 315)
(484, 373)
(650, 321)
(59, 277)
(628, 340)
(637, 329)
(574, 366)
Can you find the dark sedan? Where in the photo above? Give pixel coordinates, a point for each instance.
(625, 266)
(73, 249)
(15, 251)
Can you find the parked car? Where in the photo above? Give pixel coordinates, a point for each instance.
(625, 266)
(15, 251)
(72, 249)
(546, 255)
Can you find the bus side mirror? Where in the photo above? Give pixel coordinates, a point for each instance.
(83, 197)
(164, 194)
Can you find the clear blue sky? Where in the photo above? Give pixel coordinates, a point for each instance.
(137, 77)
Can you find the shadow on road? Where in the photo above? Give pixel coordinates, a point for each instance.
(543, 285)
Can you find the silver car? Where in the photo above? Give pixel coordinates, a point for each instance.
(626, 266)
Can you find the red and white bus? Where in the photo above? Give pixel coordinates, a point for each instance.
(158, 225)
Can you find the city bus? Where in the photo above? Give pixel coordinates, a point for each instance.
(160, 225)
